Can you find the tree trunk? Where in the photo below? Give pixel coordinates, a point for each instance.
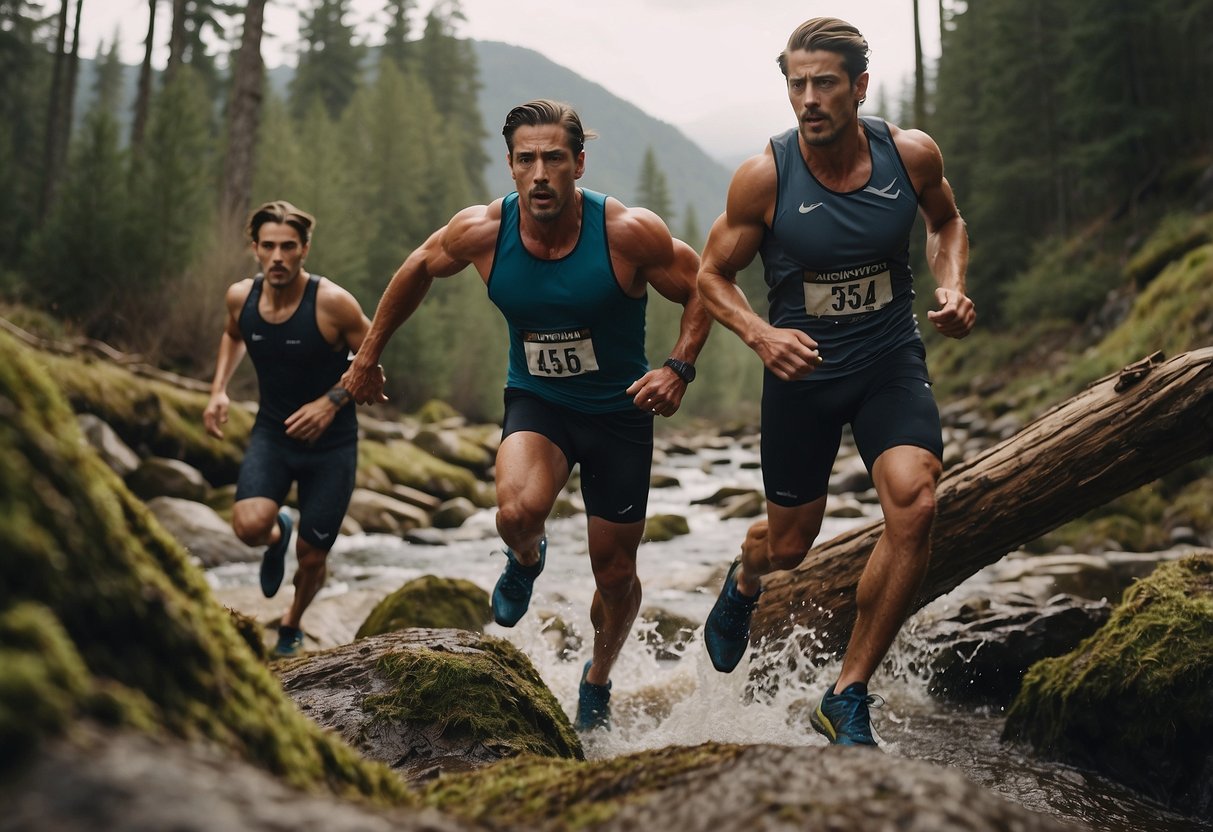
(920, 75)
(1120, 433)
(144, 94)
(69, 91)
(176, 39)
(50, 167)
(244, 116)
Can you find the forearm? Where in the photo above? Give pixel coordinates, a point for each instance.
(400, 300)
(693, 329)
(231, 352)
(948, 254)
(727, 304)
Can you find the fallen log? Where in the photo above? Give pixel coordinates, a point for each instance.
(1123, 431)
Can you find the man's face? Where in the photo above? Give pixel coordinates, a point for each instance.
(281, 252)
(822, 95)
(544, 170)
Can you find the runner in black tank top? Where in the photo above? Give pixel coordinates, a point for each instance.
(829, 206)
(299, 330)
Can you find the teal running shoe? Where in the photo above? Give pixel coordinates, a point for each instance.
(512, 594)
(290, 642)
(273, 562)
(726, 633)
(593, 704)
(844, 718)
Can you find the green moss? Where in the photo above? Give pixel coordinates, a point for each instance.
(1133, 697)
(406, 464)
(662, 527)
(430, 601)
(526, 792)
(1174, 237)
(136, 612)
(435, 410)
(470, 695)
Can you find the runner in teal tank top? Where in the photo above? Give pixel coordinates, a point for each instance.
(569, 269)
(829, 207)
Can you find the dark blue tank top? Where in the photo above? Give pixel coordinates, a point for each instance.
(295, 365)
(837, 264)
(576, 338)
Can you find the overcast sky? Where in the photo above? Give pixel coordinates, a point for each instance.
(692, 63)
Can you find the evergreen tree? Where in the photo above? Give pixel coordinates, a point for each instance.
(24, 78)
(330, 66)
(244, 117)
(107, 83)
(449, 68)
(691, 233)
(397, 46)
(653, 191)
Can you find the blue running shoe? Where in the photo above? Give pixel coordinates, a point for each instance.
(843, 717)
(273, 562)
(726, 633)
(593, 704)
(290, 642)
(512, 595)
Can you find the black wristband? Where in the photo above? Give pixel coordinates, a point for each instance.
(684, 369)
(338, 396)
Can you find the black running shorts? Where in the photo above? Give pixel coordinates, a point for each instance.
(325, 477)
(887, 404)
(615, 450)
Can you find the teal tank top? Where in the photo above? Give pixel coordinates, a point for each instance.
(837, 264)
(576, 339)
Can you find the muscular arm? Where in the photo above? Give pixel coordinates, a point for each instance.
(947, 239)
(731, 246)
(670, 266)
(449, 250)
(231, 353)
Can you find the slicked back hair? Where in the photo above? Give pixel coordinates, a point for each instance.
(832, 35)
(281, 211)
(542, 111)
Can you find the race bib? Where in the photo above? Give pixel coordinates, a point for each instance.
(559, 354)
(848, 291)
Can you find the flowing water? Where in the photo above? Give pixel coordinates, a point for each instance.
(662, 700)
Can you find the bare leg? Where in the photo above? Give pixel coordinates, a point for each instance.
(255, 521)
(309, 578)
(905, 479)
(779, 542)
(530, 472)
(617, 595)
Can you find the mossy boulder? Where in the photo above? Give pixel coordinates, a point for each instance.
(1132, 701)
(105, 617)
(426, 700)
(429, 601)
(406, 464)
(662, 527)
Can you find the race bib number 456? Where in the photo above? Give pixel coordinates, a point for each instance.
(559, 354)
(849, 291)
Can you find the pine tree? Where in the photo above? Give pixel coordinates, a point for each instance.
(330, 66)
(397, 46)
(653, 191)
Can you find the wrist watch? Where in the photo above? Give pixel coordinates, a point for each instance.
(338, 396)
(684, 369)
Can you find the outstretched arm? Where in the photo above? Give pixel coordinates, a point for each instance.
(231, 352)
(731, 246)
(448, 251)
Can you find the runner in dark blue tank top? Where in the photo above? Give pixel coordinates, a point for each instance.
(829, 207)
(299, 330)
(568, 268)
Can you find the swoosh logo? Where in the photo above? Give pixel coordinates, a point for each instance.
(322, 535)
(626, 510)
(804, 209)
(883, 193)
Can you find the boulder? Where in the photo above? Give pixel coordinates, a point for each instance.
(453, 513)
(453, 447)
(662, 527)
(666, 633)
(109, 446)
(1132, 701)
(431, 602)
(160, 477)
(428, 701)
(379, 513)
(202, 532)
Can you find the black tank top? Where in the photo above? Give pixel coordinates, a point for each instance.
(295, 365)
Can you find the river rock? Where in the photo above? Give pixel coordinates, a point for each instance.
(453, 447)
(662, 527)
(1132, 701)
(202, 532)
(379, 513)
(109, 446)
(453, 513)
(431, 602)
(750, 504)
(425, 701)
(160, 477)
(666, 633)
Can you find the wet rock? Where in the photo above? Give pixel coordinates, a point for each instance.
(663, 481)
(849, 476)
(160, 477)
(376, 512)
(202, 532)
(1132, 701)
(109, 446)
(663, 527)
(453, 447)
(750, 504)
(453, 513)
(666, 633)
(424, 701)
(721, 495)
(428, 601)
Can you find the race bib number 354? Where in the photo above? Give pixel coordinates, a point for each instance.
(849, 292)
(559, 354)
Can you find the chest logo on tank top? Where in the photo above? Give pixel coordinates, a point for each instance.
(559, 354)
(883, 193)
(855, 291)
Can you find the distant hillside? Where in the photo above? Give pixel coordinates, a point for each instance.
(512, 75)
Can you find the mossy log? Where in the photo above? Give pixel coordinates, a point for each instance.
(1123, 431)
